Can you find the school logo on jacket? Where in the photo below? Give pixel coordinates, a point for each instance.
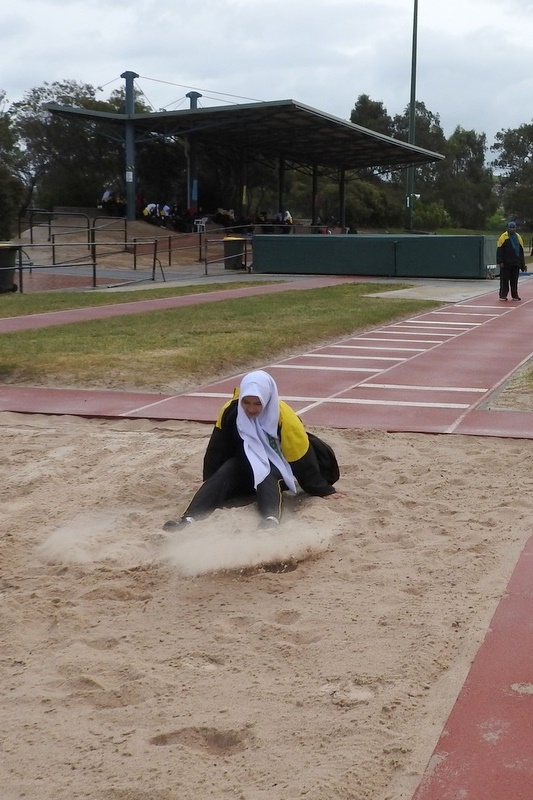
(274, 444)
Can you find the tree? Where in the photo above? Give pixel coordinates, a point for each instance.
(372, 204)
(464, 183)
(67, 161)
(11, 186)
(430, 216)
(430, 136)
(11, 191)
(371, 114)
(515, 160)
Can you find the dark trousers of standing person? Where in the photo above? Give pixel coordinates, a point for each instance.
(234, 478)
(509, 279)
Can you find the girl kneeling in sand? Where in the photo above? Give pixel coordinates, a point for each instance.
(259, 444)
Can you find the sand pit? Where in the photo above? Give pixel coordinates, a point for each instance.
(319, 661)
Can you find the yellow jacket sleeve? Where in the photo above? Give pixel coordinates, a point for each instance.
(293, 436)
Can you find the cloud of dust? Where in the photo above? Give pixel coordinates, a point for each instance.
(227, 540)
(219, 544)
(94, 537)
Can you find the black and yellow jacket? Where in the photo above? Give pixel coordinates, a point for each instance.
(506, 255)
(226, 443)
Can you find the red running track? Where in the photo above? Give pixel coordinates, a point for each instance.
(485, 751)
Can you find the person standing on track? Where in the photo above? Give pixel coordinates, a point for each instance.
(510, 259)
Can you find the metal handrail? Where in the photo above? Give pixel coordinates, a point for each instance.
(150, 246)
(50, 215)
(113, 219)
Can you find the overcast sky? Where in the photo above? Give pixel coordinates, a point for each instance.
(474, 57)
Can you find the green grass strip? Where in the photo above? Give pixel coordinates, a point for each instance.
(163, 350)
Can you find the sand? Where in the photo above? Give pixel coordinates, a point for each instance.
(319, 661)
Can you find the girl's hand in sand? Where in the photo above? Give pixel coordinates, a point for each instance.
(335, 496)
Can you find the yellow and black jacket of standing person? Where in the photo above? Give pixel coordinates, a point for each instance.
(295, 443)
(510, 250)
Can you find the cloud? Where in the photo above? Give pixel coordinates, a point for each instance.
(325, 55)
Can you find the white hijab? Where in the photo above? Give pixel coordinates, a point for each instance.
(260, 434)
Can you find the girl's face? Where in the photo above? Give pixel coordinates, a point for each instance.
(252, 405)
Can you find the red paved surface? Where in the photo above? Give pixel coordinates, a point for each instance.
(432, 373)
(34, 321)
(485, 751)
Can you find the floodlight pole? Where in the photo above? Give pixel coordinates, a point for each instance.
(130, 177)
(192, 165)
(410, 182)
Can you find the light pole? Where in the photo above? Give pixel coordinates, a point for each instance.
(129, 136)
(192, 165)
(410, 181)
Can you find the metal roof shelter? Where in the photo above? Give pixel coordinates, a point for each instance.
(291, 132)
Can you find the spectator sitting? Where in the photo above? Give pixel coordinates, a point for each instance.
(163, 211)
(224, 218)
(108, 202)
(150, 213)
(105, 198)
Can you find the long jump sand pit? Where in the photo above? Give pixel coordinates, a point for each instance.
(317, 661)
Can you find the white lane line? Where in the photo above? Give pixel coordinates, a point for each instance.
(379, 349)
(471, 305)
(218, 395)
(427, 323)
(345, 357)
(428, 327)
(405, 403)
(316, 401)
(322, 369)
(434, 322)
(460, 314)
(409, 330)
(443, 332)
(443, 338)
(154, 404)
(420, 388)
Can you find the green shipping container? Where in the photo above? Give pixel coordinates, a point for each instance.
(386, 255)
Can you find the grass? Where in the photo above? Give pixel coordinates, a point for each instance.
(173, 349)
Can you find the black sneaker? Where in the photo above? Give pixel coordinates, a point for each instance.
(174, 524)
(269, 522)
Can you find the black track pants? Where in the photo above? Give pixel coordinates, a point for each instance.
(235, 478)
(509, 280)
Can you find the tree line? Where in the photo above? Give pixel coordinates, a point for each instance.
(48, 161)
